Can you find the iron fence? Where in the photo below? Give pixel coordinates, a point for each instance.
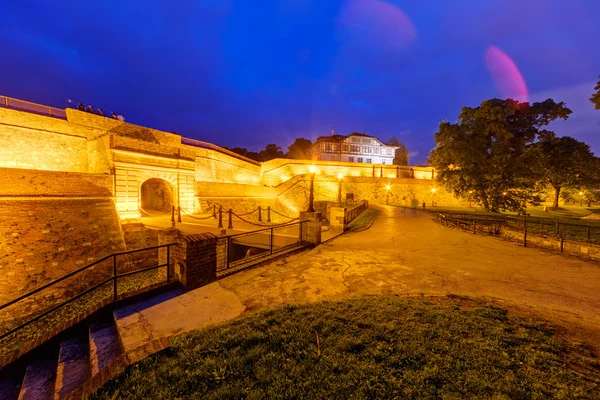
(22, 105)
(545, 226)
(108, 279)
(249, 248)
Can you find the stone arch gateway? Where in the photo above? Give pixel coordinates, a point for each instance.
(156, 196)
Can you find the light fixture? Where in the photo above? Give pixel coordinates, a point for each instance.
(387, 187)
(312, 169)
(340, 175)
(433, 190)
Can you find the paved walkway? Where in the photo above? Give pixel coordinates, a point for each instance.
(409, 254)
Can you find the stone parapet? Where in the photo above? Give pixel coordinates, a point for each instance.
(195, 260)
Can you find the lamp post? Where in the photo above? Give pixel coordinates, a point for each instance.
(340, 177)
(387, 197)
(311, 198)
(433, 190)
(581, 199)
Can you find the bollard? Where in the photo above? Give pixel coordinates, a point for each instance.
(220, 217)
(230, 226)
(214, 211)
(178, 214)
(423, 205)
(259, 214)
(562, 241)
(173, 216)
(269, 214)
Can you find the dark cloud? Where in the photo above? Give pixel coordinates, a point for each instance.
(243, 73)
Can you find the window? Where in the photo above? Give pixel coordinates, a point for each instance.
(333, 158)
(383, 160)
(369, 161)
(359, 159)
(350, 159)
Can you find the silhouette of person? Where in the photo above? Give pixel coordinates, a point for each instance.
(80, 107)
(100, 112)
(90, 109)
(113, 115)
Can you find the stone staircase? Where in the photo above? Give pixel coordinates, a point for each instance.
(59, 367)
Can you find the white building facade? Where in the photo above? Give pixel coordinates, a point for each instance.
(356, 147)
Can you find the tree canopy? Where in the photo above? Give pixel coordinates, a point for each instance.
(401, 154)
(270, 152)
(485, 155)
(565, 163)
(596, 96)
(299, 149)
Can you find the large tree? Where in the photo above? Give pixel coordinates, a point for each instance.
(244, 152)
(565, 163)
(596, 96)
(270, 152)
(401, 154)
(485, 155)
(299, 149)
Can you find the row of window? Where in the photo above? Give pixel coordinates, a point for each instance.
(360, 160)
(352, 148)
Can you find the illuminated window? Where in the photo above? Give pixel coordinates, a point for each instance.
(350, 159)
(368, 161)
(359, 159)
(383, 160)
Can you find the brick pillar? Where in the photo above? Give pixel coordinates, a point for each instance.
(337, 218)
(166, 236)
(311, 231)
(196, 260)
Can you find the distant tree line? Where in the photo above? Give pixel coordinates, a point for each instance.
(299, 151)
(501, 156)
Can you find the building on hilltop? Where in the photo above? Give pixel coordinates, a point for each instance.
(356, 147)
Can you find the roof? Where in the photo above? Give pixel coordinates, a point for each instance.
(341, 138)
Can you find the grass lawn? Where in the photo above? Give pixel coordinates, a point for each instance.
(372, 347)
(569, 212)
(363, 220)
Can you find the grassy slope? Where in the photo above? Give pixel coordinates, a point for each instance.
(571, 213)
(363, 220)
(372, 347)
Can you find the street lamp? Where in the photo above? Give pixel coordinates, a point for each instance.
(581, 199)
(340, 177)
(433, 190)
(311, 198)
(387, 198)
(470, 197)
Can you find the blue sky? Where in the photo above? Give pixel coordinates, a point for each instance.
(242, 73)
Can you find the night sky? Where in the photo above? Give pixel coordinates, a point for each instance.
(247, 73)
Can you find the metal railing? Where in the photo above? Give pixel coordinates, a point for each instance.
(206, 145)
(260, 216)
(113, 278)
(22, 105)
(249, 248)
(356, 211)
(544, 226)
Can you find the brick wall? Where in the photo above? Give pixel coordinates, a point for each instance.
(25, 182)
(41, 240)
(196, 256)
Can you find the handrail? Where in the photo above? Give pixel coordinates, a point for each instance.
(267, 229)
(70, 274)
(47, 110)
(206, 145)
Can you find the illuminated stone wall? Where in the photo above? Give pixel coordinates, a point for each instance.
(43, 239)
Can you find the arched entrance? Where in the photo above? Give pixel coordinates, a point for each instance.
(156, 196)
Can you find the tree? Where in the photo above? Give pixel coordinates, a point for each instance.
(270, 152)
(596, 96)
(485, 154)
(244, 152)
(401, 154)
(565, 163)
(299, 149)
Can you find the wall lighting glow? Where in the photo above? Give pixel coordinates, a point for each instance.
(312, 169)
(387, 187)
(433, 190)
(340, 176)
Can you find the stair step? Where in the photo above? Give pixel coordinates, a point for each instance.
(40, 377)
(10, 382)
(73, 365)
(104, 346)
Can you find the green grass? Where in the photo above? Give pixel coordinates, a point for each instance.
(363, 220)
(372, 347)
(569, 212)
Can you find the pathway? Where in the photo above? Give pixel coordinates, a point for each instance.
(409, 254)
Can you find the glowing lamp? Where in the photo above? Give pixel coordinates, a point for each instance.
(433, 190)
(387, 187)
(340, 176)
(312, 169)
(581, 193)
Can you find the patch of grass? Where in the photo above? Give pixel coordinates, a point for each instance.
(568, 212)
(372, 347)
(363, 220)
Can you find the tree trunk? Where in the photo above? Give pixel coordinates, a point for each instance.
(556, 194)
(589, 202)
(484, 201)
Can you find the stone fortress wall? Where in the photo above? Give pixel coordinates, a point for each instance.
(66, 186)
